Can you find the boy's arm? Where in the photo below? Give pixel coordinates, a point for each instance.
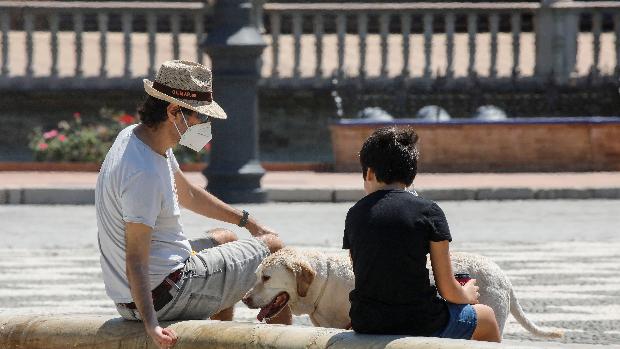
(447, 285)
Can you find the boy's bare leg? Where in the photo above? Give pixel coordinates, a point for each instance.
(284, 317)
(224, 315)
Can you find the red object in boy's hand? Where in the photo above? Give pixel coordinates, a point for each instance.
(462, 278)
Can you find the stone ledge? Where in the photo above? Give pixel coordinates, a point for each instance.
(448, 194)
(296, 195)
(86, 196)
(59, 196)
(102, 332)
(505, 194)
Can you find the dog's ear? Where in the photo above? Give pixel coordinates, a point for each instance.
(258, 270)
(305, 275)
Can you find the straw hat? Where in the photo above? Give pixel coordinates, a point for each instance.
(187, 84)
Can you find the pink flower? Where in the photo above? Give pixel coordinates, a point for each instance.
(77, 116)
(62, 138)
(42, 146)
(207, 147)
(126, 119)
(50, 134)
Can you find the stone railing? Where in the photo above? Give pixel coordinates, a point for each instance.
(21, 22)
(450, 40)
(60, 44)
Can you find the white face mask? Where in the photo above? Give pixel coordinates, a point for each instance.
(195, 137)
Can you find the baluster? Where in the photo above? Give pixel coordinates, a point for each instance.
(199, 30)
(341, 28)
(405, 24)
(5, 25)
(151, 28)
(318, 43)
(617, 32)
(175, 25)
(127, 25)
(384, 22)
(29, 28)
(102, 20)
(78, 28)
(53, 23)
(515, 26)
(450, 19)
(274, 19)
(597, 23)
(472, 23)
(494, 27)
(428, 44)
(362, 28)
(297, 23)
(257, 15)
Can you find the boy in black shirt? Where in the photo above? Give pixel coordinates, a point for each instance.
(389, 233)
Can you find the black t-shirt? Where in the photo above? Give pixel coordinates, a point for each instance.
(388, 233)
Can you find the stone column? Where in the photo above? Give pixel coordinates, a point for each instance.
(556, 41)
(235, 47)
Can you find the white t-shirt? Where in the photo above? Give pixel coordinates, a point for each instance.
(136, 185)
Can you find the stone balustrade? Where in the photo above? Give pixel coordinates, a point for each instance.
(555, 25)
(444, 38)
(402, 16)
(48, 13)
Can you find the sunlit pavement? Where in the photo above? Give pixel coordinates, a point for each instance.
(561, 256)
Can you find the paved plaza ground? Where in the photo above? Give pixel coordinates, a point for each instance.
(561, 256)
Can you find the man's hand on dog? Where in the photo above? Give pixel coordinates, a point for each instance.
(471, 290)
(256, 229)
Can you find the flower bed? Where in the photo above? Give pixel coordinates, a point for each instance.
(75, 141)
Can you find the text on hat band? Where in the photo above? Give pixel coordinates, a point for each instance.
(183, 94)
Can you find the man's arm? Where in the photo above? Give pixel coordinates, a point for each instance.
(202, 202)
(447, 285)
(138, 245)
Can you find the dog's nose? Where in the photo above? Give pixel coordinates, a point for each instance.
(247, 300)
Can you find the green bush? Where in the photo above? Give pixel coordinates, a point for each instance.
(77, 141)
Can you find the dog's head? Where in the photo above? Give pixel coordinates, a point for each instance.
(282, 278)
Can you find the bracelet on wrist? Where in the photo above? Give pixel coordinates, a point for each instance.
(244, 219)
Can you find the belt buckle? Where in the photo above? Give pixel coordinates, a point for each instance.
(174, 278)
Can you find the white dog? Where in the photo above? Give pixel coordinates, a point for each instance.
(316, 284)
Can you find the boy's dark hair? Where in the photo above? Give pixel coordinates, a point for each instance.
(153, 111)
(392, 154)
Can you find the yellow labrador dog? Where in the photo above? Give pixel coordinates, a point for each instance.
(317, 284)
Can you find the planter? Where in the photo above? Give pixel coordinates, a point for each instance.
(512, 145)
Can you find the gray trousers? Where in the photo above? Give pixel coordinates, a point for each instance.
(215, 278)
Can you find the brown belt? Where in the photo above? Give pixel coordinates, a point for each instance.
(160, 294)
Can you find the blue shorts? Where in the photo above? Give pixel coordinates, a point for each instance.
(461, 324)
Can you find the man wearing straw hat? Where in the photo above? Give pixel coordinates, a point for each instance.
(150, 269)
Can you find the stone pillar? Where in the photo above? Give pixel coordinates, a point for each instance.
(235, 47)
(556, 41)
